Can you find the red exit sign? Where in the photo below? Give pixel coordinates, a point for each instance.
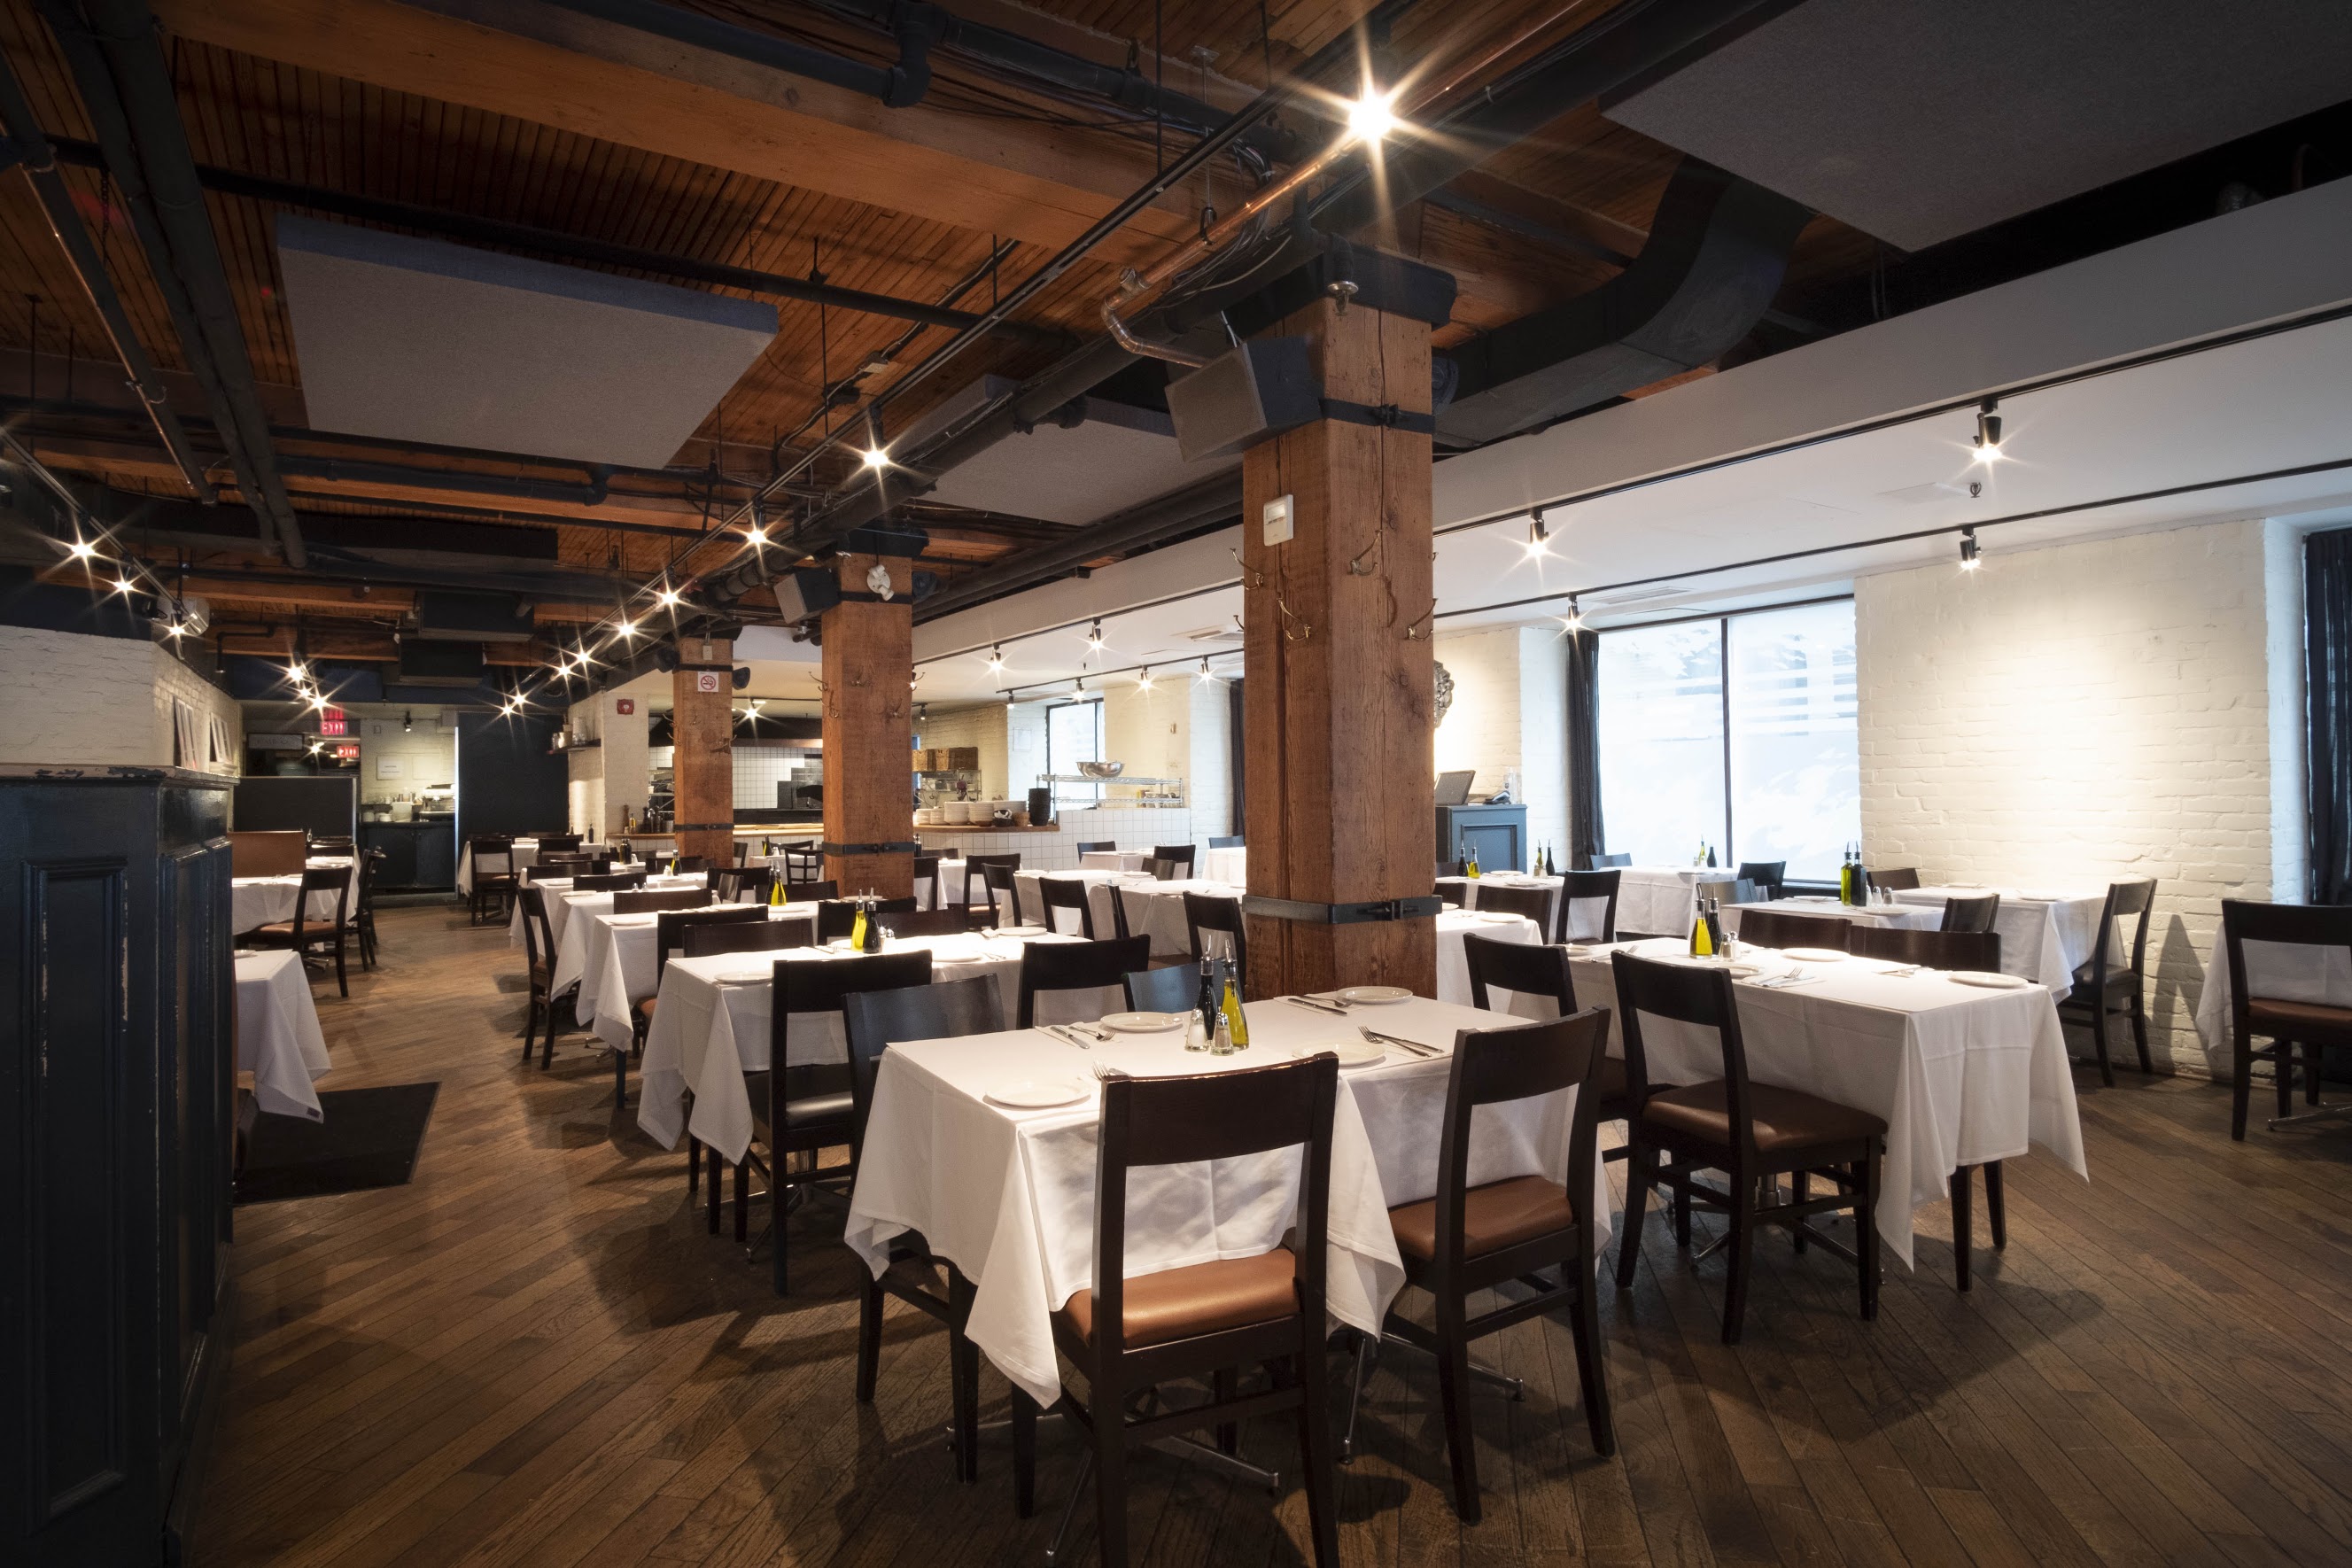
(350, 754)
(332, 721)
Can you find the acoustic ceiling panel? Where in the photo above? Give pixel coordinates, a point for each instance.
(1118, 456)
(1916, 123)
(416, 340)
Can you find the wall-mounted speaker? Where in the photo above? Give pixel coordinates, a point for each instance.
(806, 591)
(1251, 393)
(742, 676)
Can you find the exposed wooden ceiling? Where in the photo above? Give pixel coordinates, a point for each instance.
(378, 99)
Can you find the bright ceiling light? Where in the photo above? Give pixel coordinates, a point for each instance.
(296, 671)
(174, 630)
(1970, 558)
(1987, 433)
(626, 628)
(755, 534)
(81, 549)
(1575, 621)
(1143, 682)
(1372, 117)
(1094, 637)
(124, 585)
(1205, 675)
(877, 458)
(669, 598)
(996, 660)
(1539, 536)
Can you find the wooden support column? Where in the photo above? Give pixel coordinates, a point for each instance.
(869, 676)
(702, 766)
(1337, 700)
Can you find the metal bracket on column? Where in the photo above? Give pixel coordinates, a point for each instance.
(1386, 414)
(909, 848)
(1303, 913)
(702, 827)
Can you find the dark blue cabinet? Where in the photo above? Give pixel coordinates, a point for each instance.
(1499, 834)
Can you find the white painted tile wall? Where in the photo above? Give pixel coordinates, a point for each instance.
(70, 698)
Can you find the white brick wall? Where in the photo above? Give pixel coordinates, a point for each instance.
(72, 698)
(175, 680)
(1511, 710)
(618, 775)
(2069, 716)
(1215, 813)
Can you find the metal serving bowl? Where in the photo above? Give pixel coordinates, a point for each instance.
(1102, 770)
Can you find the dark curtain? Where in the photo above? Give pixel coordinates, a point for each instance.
(1585, 842)
(1239, 750)
(2328, 674)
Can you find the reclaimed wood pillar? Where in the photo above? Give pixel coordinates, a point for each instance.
(868, 645)
(1338, 703)
(702, 765)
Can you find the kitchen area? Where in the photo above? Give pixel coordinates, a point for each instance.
(408, 769)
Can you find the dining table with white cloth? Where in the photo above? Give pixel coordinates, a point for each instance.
(2280, 971)
(1453, 962)
(256, 902)
(1008, 1196)
(1904, 916)
(714, 1022)
(1113, 859)
(1963, 1074)
(1226, 863)
(1466, 891)
(559, 900)
(618, 967)
(1659, 900)
(277, 1036)
(2045, 936)
(1155, 909)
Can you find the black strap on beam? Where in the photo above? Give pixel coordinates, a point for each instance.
(1387, 416)
(907, 848)
(677, 827)
(1299, 912)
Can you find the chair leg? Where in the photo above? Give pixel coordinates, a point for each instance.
(2099, 1039)
(1315, 1445)
(2241, 1085)
(1110, 1478)
(778, 1265)
(869, 1341)
(620, 1077)
(547, 1045)
(530, 1026)
(743, 1202)
(1638, 1168)
(1681, 1209)
(1591, 1371)
(2283, 1074)
(1454, 1402)
(1800, 1187)
(2310, 1073)
(342, 980)
(1225, 1384)
(1025, 1452)
(1995, 1210)
(1865, 1235)
(1741, 1242)
(711, 1191)
(963, 1378)
(1963, 1227)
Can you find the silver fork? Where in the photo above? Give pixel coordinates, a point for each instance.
(1415, 1046)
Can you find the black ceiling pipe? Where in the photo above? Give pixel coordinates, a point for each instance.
(66, 226)
(1141, 527)
(468, 228)
(118, 63)
(899, 86)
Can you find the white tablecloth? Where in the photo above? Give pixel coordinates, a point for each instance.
(617, 964)
(277, 1038)
(2044, 936)
(708, 1032)
(1008, 1194)
(526, 852)
(1656, 899)
(1467, 888)
(2287, 972)
(1114, 859)
(256, 902)
(1905, 917)
(559, 901)
(1230, 864)
(1156, 910)
(1452, 965)
(1962, 1075)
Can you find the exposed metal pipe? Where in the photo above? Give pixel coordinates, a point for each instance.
(899, 86)
(126, 85)
(467, 227)
(40, 166)
(520, 488)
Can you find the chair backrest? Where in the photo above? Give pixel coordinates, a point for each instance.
(491, 853)
(368, 865)
(942, 1010)
(1450, 891)
(670, 926)
(333, 880)
(803, 863)
(608, 881)
(562, 864)
(325, 844)
(1587, 885)
(687, 863)
(1534, 903)
(837, 918)
(2245, 920)
(1180, 853)
(1518, 967)
(557, 843)
(1077, 966)
(1778, 928)
(808, 985)
(645, 900)
(1003, 892)
(929, 922)
(735, 881)
(743, 850)
(266, 853)
(1730, 890)
(1166, 870)
(1172, 989)
(1768, 875)
(701, 938)
(811, 892)
(1100, 847)
(1212, 911)
(926, 874)
(1697, 995)
(1901, 879)
(2131, 901)
(1972, 915)
(1600, 862)
(1231, 841)
(538, 937)
(1491, 1066)
(1200, 1118)
(1066, 893)
(1936, 949)
(975, 875)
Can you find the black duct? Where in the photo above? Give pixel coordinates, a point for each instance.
(1716, 257)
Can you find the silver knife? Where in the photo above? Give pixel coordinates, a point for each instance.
(1319, 1007)
(1066, 1037)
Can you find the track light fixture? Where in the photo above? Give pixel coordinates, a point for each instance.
(407, 722)
(1143, 682)
(996, 659)
(1968, 551)
(877, 452)
(1094, 637)
(1539, 536)
(1372, 117)
(81, 549)
(1575, 621)
(669, 598)
(626, 628)
(1989, 432)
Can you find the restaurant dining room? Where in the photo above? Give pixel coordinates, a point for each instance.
(1175, 783)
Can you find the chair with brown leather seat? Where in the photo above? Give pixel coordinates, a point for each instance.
(669, 935)
(1066, 893)
(539, 951)
(550, 868)
(1127, 1335)
(1450, 891)
(1902, 879)
(2313, 1025)
(1466, 1240)
(609, 883)
(800, 1111)
(1166, 870)
(1533, 903)
(1748, 1132)
(837, 918)
(876, 1021)
(652, 900)
(1527, 969)
(1978, 950)
(2104, 987)
(308, 932)
(1777, 928)
(1970, 916)
(1583, 887)
(979, 891)
(1077, 966)
(490, 869)
(1207, 913)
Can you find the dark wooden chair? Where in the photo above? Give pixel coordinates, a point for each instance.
(1231, 841)
(1900, 880)
(1768, 875)
(1004, 895)
(799, 1111)
(1467, 1239)
(688, 865)
(312, 936)
(1205, 912)
(489, 865)
(1126, 1336)
(1077, 966)
(738, 884)
(1747, 1130)
(609, 881)
(1160, 870)
(927, 877)
(333, 844)
(929, 922)
(651, 901)
(1935, 949)
(268, 852)
(539, 951)
(1602, 862)
(669, 936)
(1778, 928)
(1586, 886)
(811, 892)
(557, 843)
(2103, 988)
(1181, 854)
(982, 910)
(803, 863)
(1534, 903)
(1451, 890)
(703, 937)
(837, 918)
(2313, 1025)
(1173, 988)
(1521, 967)
(549, 868)
(1972, 916)
(1066, 893)
(1100, 847)
(876, 1021)
(364, 917)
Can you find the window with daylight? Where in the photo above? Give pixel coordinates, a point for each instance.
(1735, 733)
(1074, 735)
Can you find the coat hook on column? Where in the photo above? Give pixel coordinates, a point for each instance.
(1257, 578)
(1412, 627)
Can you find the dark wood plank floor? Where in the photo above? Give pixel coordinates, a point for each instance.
(533, 1355)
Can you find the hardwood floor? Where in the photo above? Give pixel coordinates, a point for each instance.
(533, 1355)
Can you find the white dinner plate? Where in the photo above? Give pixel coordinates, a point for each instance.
(1577, 949)
(1038, 1094)
(1990, 981)
(1144, 1022)
(1964, 884)
(1376, 995)
(1812, 954)
(1351, 1052)
(2043, 898)
(764, 975)
(1021, 930)
(1497, 917)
